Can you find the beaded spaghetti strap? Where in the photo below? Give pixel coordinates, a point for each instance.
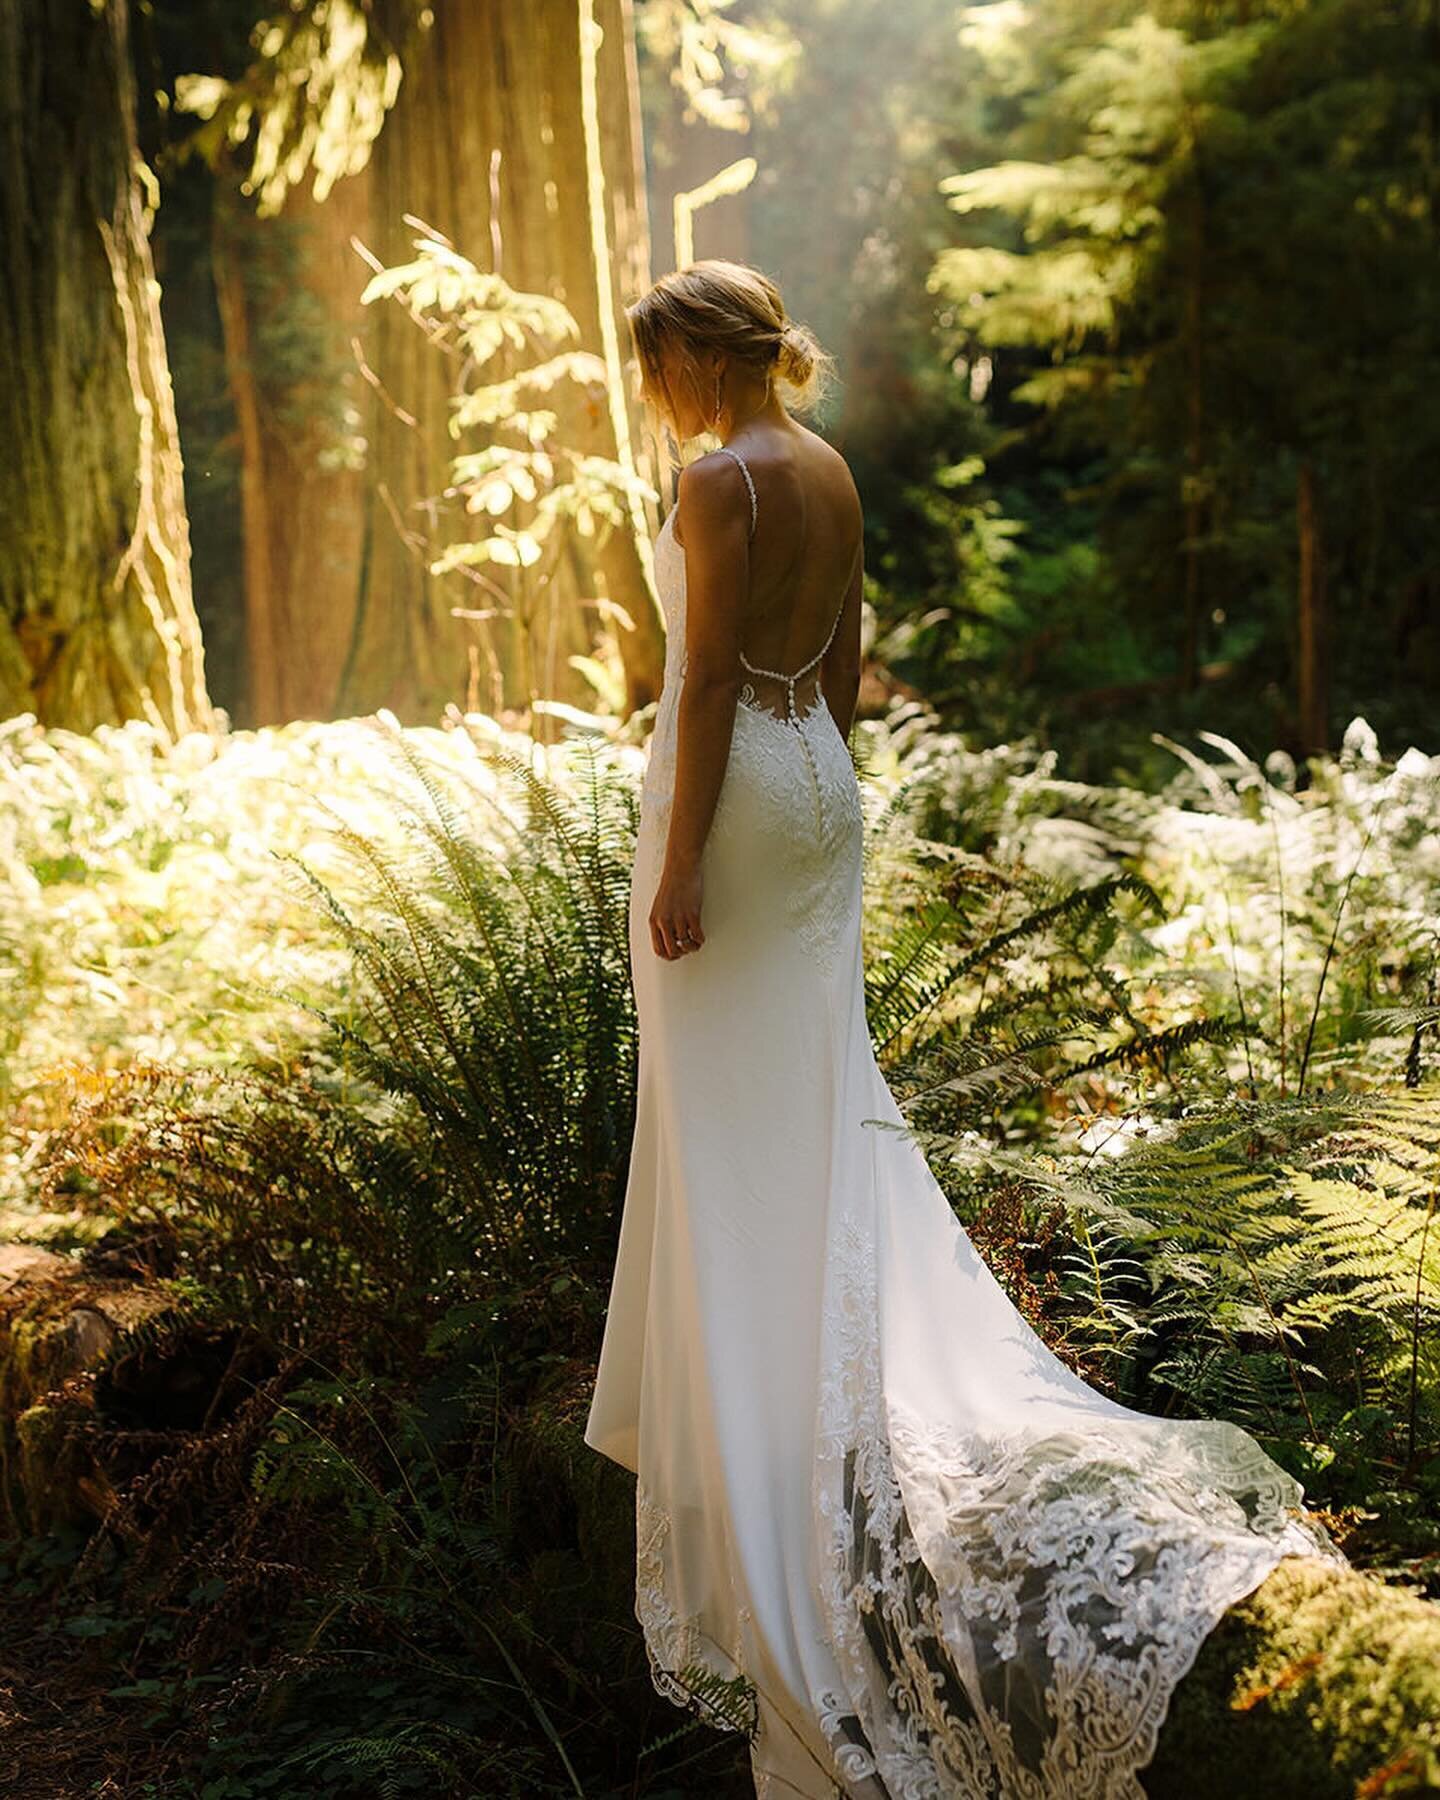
(748, 482)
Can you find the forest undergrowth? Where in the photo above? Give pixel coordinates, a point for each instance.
(319, 1080)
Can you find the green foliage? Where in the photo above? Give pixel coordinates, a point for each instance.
(480, 314)
(525, 469)
(1248, 1195)
(1196, 215)
(1190, 255)
(311, 103)
(466, 1128)
(497, 998)
(699, 50)
(388, 1550)
(1092, 221)
(1313, 1687)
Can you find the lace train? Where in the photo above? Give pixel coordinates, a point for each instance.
(1013, 1611)
(1010, 1613)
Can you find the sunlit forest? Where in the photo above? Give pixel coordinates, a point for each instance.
(329, 653)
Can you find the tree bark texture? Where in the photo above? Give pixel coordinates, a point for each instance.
(97, 617)
(1311, 659)
(302, 479)
(485, 144)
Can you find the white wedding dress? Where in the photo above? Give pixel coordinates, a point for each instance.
(947, 1565)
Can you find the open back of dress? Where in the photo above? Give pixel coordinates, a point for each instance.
(786, 695)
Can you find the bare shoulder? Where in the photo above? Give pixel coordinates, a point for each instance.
(832, 464)
(711, 497)
(821, 445)
(707, 493)
(710, 481)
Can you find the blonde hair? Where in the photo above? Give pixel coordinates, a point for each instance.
(728, 306)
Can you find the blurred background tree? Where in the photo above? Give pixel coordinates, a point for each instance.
(1133, 306)
(1134, 309)
(1222, 240)
(329, 133)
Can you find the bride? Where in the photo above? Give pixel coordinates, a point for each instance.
(932, 1560)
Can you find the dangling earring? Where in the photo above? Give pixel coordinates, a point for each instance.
(715, 422)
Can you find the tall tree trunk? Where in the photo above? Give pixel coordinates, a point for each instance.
(265, 649)
(618, 271)
(97, 617)
(303, 485)
(1193, 482)
(496, 78)
(1190, 485)
(1312, 672)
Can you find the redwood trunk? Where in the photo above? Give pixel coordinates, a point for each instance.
(97, 619)
(1312, 672)
(489, 77)
(302, 481)
(265, 650)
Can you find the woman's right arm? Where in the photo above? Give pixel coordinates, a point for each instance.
(840, 670)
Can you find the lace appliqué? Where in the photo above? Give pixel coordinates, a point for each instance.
(1012, 1613)
(789, 785)
(796, 789)
(673, 1642)
(687, 1666)
(789, 789)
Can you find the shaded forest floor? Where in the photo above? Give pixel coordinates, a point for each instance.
(318, 1188)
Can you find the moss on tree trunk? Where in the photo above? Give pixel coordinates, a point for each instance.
(1316, 1685)
(97, 620)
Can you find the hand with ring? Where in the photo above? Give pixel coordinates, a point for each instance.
(675, 912)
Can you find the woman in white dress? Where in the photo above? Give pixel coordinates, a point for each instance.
(944, 1565)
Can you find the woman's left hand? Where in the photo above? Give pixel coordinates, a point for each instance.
(675, 913)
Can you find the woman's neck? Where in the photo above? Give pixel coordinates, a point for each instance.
(751, 405)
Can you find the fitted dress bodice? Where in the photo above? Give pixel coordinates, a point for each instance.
(789, 799)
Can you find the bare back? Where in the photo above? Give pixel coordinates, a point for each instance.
(805, 556)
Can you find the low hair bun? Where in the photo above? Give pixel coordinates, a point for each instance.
(797, 356)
